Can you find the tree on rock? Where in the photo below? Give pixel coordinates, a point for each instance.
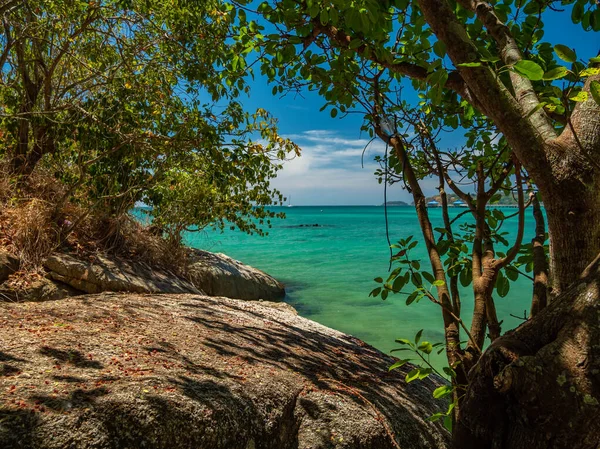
(478, 66)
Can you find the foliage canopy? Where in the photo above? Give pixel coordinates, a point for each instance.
(127, 101)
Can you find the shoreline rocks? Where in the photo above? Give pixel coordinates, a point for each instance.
(178, 371)
(220, 275)
(71, 275)
(105, 274)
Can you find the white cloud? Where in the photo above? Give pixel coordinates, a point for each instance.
(329, 171)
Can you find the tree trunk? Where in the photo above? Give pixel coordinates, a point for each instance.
(574, 227)
(539, 385)
(539, 298)
(569, 186)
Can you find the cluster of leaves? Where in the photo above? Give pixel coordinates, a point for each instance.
(409, 272)
(423, 369)
(554, 99)
(334, 46)
(457, 261)
(139, 101)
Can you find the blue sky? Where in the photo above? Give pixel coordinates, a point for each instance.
(329, 172)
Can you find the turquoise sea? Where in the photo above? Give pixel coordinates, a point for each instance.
(328, 270)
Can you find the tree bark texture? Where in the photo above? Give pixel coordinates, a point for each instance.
(539, 298)
(539, 385)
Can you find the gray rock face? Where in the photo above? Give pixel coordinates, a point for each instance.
(38, 290)
(220, 275)
(113, 275)
(188, 371)
(8, 265)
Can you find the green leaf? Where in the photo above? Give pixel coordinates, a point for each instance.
(595, 19)
(324, 17)
(442, 392)
(439, 283)
(565, 53)
(449, 372)
(464, 277)
(577, 12)
(502, 285)
(512, 274)
(418, 336)
(378, 280)
(470, 64)
(591, 71)
(439, 48)
(557, 73)
(411, 298)
(416, 279)
(397, 365)
(334, 16)
(425, 372)
(426, 347)
(448, 423)
(595, 91)
(531, 8)
(436, 417)
(375, 292)
(428, 277)
(398, 284)
(334, 113)
(355, 43)
(529, 70)
(413, 375)
(580, 97)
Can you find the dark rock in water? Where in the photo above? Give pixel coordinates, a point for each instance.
(8, 265)
(187, 371)
(220, 275)
(316, 225)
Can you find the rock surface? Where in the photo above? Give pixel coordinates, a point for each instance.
(8, 265)
(187, 371)
(105, 274)
(219, 275)
(37, 290)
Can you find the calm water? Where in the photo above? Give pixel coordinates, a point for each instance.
(329, 270)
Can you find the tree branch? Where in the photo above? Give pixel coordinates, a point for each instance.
(455, 81)
(500, 105)
(510, 54)
(514, 250)
(505, 172)
(583, 131)
(539, 298)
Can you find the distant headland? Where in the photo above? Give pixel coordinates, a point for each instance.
(396, 203)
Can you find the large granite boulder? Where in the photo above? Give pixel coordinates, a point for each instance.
(104, 274)
(189, 371)
(8, 265)
(219, 275)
